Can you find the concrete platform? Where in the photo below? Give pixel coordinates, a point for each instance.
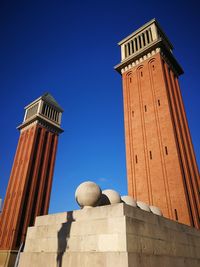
(116, 235)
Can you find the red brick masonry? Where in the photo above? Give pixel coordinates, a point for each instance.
(29, 187)
(161, 164)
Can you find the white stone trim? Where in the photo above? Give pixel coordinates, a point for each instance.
(140, 60)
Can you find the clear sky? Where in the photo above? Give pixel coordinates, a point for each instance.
(69, 48)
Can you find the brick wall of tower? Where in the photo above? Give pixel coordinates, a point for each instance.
(29, 188)
(153, 140)
(14, 194)
(187, 159)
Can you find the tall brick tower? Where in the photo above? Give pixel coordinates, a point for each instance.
(29, 187)
(161, 164)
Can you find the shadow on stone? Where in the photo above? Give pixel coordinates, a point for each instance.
(104, 200)
(63, 237)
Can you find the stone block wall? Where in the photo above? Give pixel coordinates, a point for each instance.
(116, 235)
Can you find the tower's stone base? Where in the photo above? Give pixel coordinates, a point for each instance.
(112, 236)
(7, 258)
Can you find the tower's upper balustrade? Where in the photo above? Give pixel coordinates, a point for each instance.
(44, 108)
(142, 42)
(144, 37)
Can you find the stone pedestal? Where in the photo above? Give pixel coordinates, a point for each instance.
(116, 235)
(7, 258)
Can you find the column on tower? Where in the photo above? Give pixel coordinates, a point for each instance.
(29, 188)
(161, 164)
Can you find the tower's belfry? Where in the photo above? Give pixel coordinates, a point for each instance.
(29, 187)
(161, 164)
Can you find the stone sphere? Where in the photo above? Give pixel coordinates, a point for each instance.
(143, 206)
(156, 210)
(109, 196)
(129, 201)
(87, 194)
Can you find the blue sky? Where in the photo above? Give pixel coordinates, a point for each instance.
(69, 48)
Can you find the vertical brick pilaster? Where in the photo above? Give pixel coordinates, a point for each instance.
(50, 176)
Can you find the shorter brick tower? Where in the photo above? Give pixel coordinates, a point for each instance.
(161, 163)
(29, 187)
